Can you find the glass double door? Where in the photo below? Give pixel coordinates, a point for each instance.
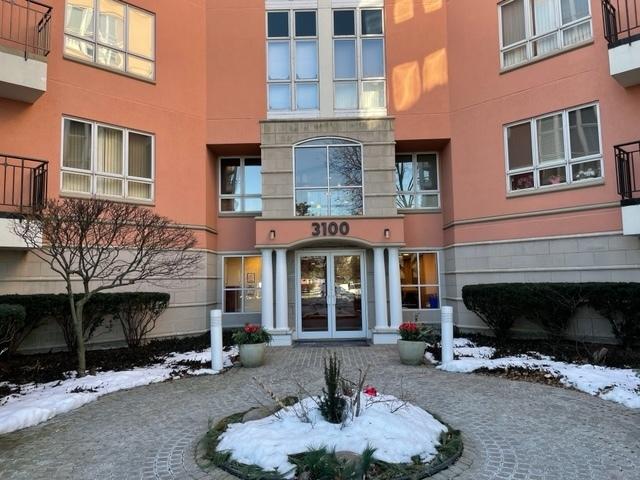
(330, 295)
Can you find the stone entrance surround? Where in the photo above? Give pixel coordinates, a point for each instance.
(512, 430)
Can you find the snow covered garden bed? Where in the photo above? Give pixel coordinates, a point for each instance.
(621, 385)
(36, 403)
(347, 432)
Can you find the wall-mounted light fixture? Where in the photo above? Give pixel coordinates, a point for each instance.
(272, 234)
(387, 233)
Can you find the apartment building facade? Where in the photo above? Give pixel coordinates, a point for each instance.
(345, 164)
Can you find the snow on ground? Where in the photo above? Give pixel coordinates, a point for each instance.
(397, 431)
(616, 384)
(37, 403)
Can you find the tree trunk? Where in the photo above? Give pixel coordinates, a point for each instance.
(80, 348)
(77, 316)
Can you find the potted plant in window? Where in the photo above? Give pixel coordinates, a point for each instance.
(252, 341)
(412, 343)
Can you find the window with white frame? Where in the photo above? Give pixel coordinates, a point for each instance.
(358, 59)
(534, 28)
(240, 184)
(106, 161)
(292, 60)
(417, 180)
(242, 284)
(555, 149)
(111, 34)
(419, 280)
(328, 178)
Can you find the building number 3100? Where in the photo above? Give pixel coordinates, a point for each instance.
(323, 229)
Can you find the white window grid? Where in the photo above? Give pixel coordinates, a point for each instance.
(359, 37)
(328, 188)
(237, 196)
(243, 289)
(415, 191)
(94, 173)
(566, 162)
(419, 285)
(124, 51)
(531, 39)
(292, 81)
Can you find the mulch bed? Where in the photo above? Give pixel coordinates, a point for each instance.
(49, 367)
(522, 374)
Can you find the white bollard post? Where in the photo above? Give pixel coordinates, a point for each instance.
(446, 340)
(216, 340)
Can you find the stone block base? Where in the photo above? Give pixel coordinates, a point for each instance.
(385, 336)
(280, 338)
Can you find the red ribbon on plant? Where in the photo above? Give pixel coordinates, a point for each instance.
(371, 391)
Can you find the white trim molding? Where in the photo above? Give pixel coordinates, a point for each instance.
(287, 4)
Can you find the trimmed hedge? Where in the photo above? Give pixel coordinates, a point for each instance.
(130, 308)
(11, 321)
(620, 304)
(498, 305)
(138, 313)
(38, 309)
(551, 305)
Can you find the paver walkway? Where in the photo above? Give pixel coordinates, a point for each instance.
(512, 430)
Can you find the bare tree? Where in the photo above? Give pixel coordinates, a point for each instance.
(105, 245)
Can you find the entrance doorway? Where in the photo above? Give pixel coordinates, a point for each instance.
(330, 294)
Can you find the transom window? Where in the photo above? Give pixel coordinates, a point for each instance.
(358, 59)
(106, 161)
(554, 149)
(534, 28)
(242, 284)
(328, 178)
(419, 280)
(111, 34)
(292, 60)
(417, 180)
(240, 184)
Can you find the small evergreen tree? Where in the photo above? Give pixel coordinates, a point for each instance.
(332, 403)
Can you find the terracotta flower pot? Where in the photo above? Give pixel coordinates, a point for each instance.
(252, 354)
(411, 353)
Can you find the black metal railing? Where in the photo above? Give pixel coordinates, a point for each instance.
(627, 156)
(23, 184)
(25, 24)
(621, 21)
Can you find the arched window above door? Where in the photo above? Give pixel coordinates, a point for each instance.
(328, 177)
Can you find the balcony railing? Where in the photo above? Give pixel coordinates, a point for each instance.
(23, 184)
(627, 156)
(25, 24)
(621, 21)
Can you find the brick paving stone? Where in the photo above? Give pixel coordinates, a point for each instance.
(511, 430)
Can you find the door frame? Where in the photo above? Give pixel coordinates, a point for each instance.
(332, 333)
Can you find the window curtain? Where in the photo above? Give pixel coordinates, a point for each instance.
(550, 139)
(139, 155)
(139, 165)
(574, 10)
(513, 23)
(583, 125)
(109, 160)
(109, 150)
(544, 21)
(77, 154)
(577, 34)
(77, 145)
(513, 31)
